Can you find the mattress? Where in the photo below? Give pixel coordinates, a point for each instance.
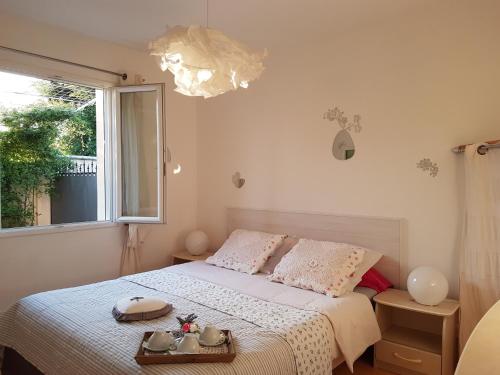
(281, 329)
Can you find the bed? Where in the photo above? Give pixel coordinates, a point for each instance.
(277, 329)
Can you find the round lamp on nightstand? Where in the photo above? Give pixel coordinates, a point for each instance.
(427, 286)
(196, 242)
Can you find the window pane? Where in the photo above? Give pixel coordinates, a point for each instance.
(51, 152)
(139, 153)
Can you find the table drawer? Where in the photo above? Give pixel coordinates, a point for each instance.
(402, 356)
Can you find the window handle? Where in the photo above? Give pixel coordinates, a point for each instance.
(399, 356)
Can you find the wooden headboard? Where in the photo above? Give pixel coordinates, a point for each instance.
(386, 235)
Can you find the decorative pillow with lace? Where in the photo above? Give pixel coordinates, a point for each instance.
(322, 266)
(246, 251)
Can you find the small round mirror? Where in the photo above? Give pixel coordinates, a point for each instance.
(343, 146)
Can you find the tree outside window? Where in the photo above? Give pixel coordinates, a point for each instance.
(37, 142)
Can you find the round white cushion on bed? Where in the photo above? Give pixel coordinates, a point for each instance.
(140, 308)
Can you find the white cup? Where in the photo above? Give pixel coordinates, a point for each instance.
(210, 335)
(189, 344)
(160, 340)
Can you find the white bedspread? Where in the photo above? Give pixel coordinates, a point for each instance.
(352, 317)
(280, 329)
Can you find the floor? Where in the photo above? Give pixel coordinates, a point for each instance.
(360, 368)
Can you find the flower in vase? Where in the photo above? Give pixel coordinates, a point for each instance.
(193, 327)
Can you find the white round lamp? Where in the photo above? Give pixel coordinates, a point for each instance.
(196, 242)
(427, 286)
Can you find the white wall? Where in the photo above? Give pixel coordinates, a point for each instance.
(422, 82)
(46, 261)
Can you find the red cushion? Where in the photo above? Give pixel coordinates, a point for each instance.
(374, 280)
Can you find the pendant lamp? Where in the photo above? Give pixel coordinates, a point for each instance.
(206, 62)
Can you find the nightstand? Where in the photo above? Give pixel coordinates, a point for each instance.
(416, 339)
(184, 257)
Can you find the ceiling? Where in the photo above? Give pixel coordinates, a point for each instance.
(261, 23)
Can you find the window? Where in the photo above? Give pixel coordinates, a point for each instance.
(139, 167)
(57, 141)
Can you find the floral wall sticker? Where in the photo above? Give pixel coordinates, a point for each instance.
(343, 145)
(426, 164)
(337, 115)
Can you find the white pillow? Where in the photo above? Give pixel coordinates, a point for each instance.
(370, 258)
(322, 266)
(246, 251)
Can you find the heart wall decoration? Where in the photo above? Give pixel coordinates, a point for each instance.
(238, 181)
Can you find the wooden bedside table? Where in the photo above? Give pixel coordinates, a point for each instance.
(416, 339)
(184, 257)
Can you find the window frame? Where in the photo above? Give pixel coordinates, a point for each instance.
(117, 189)
(51, 74)
(78, 76)
(56, 228)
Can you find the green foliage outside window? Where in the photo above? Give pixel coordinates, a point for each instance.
(78, 135)
(35, 145)
(29, 161)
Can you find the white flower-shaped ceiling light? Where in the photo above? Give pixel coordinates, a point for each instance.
(205, 62)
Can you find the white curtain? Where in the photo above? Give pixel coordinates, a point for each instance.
(480, 243)
(139, 154)
(131, 256)
(130, 123)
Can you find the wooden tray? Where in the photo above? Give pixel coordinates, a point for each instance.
(152, 358)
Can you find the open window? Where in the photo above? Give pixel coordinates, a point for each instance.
(52, 153)
(71, 153)
(138, 153)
